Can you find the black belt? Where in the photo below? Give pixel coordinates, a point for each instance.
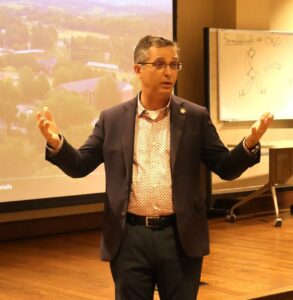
(151, 222)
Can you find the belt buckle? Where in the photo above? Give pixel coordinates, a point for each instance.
(147, 222)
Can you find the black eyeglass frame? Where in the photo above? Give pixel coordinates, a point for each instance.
(161, 66)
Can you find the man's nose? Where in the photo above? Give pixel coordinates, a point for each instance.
(167, 69)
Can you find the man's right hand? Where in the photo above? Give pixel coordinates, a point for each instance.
(48, 127)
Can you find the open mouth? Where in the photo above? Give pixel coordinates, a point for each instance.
(166, 83)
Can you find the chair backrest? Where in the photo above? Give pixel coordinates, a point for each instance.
(281, 165)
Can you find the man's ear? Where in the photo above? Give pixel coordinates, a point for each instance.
(137, 70)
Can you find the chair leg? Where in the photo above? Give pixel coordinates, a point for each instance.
(231, 217)
(278, 220)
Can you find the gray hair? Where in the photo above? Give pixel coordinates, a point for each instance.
(141, 50)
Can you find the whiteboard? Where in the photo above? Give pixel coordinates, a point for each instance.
(255, 74)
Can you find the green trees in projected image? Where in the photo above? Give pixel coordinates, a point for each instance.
(32, 86)
(73, 114)
(26, 83)
(15, 34)
(89, 47)
(16, 157)
(18, 61)
(107, 92)
(43, 37)
(73, 71)
(9, 98)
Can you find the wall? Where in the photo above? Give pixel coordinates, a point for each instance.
(192, 17)
(251, 14)
(225, 14)
(281, 15)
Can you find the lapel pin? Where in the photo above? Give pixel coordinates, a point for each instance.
(182, 110)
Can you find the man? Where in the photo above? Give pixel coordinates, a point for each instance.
(155, 228)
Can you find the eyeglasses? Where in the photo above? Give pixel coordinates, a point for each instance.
(160, 65)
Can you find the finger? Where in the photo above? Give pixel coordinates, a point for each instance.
(267, 121)
(265, 114)
(262, 119)
(261, 123)
(48, 114)
(253, 130)
(41, 123)
(46, 125)
(270, 118)
(45, 129)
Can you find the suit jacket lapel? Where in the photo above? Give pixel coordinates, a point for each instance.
(177, 119)
(128, 125)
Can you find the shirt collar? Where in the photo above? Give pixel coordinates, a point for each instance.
(141, 109)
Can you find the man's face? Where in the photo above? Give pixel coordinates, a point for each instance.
(159, 75)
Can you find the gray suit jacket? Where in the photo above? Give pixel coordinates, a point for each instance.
(193, 140)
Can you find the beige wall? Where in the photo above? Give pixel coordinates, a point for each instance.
(225, 13)
(192, 17)
(281, 17)
(253, 14)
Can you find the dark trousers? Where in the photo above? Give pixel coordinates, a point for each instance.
(154, 257)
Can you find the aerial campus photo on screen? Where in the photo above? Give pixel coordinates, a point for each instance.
(74, 56)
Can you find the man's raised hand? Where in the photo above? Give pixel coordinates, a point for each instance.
(258, 129)
(48, 127)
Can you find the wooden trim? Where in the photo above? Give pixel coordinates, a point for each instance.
(49, 226)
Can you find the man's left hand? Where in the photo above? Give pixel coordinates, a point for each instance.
(258, 129)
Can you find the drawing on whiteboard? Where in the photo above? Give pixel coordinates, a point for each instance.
(254, 70)
(274, 66)
(252, 74)
(273, 40)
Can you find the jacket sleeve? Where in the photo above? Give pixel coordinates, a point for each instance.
(80, 162)
(226, 164)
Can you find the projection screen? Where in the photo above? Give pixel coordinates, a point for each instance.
(75, 57)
